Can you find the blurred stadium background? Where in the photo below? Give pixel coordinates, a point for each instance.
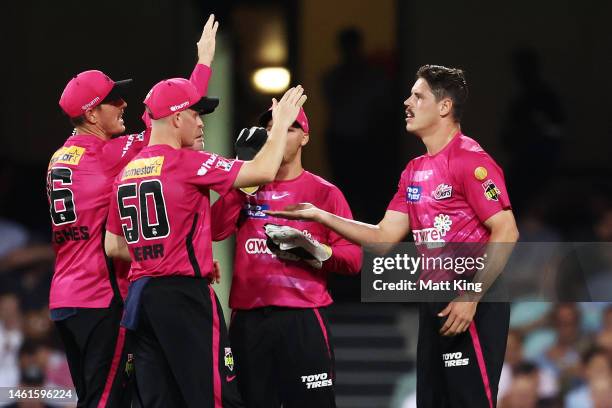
(539, 76)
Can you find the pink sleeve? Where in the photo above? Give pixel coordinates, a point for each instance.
(224, 214)
(120, 150)
(200, 77)
(209, 170)
(398, 202)
(483, 183)
(346, 257)
(113, 223)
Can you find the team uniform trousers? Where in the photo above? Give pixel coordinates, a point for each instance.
(182, 354)
(462, 371)
(284, 356)
(97, 350)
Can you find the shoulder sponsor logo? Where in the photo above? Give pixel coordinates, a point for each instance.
(174, 108)
(433, 237)
(491, 191)
(67, 155)
(224, 164)
(256, 246)
(421, 175)
(480, 173)
(454, 359)
(316, 380)
(255, 210)
(413, 193)
(130, 141)
(151, 166)
(443, 191)
(207, 164)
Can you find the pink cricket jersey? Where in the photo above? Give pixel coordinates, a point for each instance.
(79, 184)
(448, 196)
(260, 278)
(161, 205)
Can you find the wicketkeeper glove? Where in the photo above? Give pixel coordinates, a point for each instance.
(249, 142)
(247, 145)
(294, 245)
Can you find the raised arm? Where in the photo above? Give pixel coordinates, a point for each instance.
(200, 76)
(264, 166)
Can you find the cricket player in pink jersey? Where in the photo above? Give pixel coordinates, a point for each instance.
(87, 290)
(453, 193)
(279, 333)
(160, 219)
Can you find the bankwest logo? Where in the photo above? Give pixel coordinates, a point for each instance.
(151, 166)
(454, 360)
(67, 155)
(316, 381)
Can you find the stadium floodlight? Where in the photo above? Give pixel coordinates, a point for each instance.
(271, 79)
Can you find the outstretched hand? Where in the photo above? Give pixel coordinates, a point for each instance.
(302, 211)
(207, 43)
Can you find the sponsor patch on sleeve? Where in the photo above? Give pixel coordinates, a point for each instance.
(223, 164)
(491, 191)
(480, 173)
(67, 155)
(150, 166)
(207, 164)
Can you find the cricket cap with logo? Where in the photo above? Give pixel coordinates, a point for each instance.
(175, 95)
(301, 121)
(88, 90)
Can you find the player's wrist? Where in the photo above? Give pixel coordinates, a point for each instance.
(281, 124)
(321, 216)
(471, 296)
(207, 60)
